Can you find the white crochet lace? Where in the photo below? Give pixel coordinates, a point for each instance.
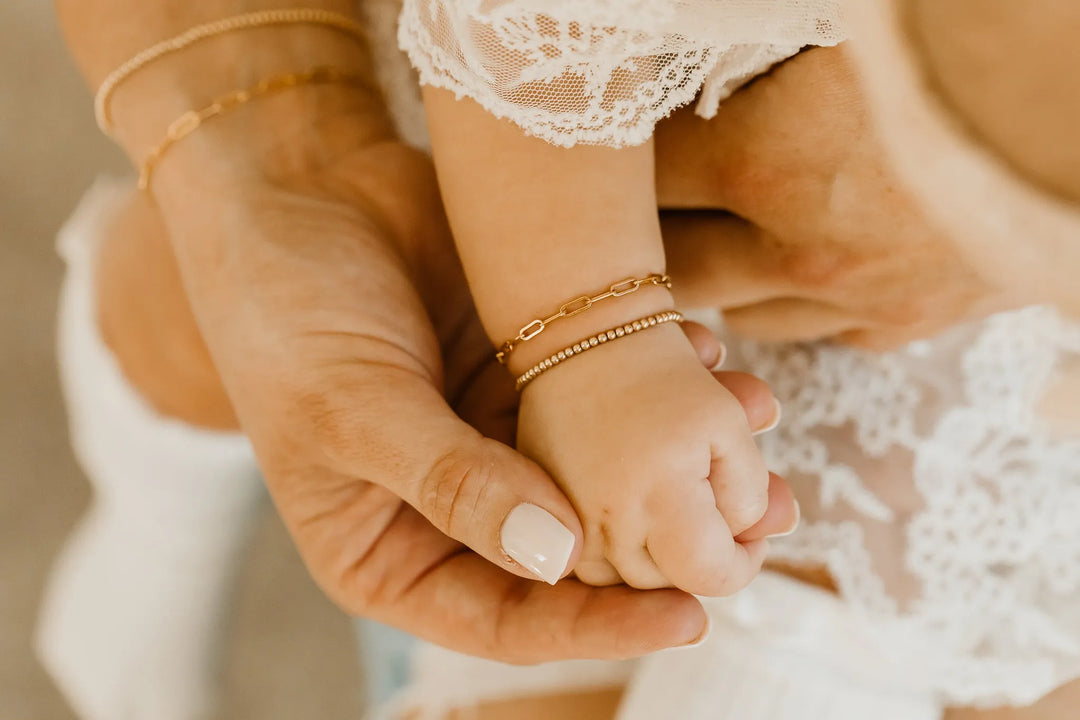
(941, 503)
(605, 71)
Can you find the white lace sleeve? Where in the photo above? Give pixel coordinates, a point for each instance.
(605, 71)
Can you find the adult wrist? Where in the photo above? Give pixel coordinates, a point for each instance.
(300, 124)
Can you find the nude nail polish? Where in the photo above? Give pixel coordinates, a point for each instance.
(537, 541)
(775, 422)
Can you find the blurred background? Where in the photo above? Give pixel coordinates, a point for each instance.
(290, 653)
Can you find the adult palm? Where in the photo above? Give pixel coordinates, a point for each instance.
(327, 290)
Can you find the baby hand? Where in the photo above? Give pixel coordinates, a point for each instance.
(659, 461)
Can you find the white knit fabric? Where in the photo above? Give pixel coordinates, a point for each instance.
(132, 620)
(605, 71)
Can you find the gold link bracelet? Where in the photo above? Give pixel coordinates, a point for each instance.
(263, 18)
(190, 121)
(576, 306)
(597, 340)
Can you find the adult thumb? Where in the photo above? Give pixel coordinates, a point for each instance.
(401, 434)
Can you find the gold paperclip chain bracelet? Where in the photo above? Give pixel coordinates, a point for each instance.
(576, 306)
(190, 121)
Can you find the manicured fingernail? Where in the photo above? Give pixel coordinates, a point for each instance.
(775, 422)
(537, 541)
(720, 360)
(705, 632)
(794, 525)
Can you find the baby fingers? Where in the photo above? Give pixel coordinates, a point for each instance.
(693, 546)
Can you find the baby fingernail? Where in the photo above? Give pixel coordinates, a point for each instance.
(537, 541)
(778, 413)
(720, 360)
(794, 525)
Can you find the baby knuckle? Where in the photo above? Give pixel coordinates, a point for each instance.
(716, 583)
(752, 504)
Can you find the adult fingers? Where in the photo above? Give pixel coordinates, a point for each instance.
(791, 320)
(458, 600)
(757, 401)
(719, 260)
(391, 427)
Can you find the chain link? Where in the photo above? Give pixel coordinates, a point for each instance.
(576, 306)
(247, 21)
(192, 120)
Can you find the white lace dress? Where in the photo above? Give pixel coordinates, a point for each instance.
(940, 483)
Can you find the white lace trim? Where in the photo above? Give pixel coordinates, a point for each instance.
(604, 71)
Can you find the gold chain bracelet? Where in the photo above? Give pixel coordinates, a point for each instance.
(190, 121)
(263, 18)
(597, 340)
(575, 306)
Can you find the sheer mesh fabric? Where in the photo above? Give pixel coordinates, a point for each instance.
(604, 71)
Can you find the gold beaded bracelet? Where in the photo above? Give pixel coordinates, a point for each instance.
(246, 21)
(595, 341)
(190, 121)
(575, 306)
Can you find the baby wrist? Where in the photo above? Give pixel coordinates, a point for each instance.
(581, 317)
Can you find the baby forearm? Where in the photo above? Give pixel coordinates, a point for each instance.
(537, 225)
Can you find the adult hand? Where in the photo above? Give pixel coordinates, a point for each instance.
(322, 277)
(821, 240)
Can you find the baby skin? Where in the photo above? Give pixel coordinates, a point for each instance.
(657, 457)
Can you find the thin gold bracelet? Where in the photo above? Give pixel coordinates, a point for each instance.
(190, 121)
(575, 306)
(263, 18)
(597, 340)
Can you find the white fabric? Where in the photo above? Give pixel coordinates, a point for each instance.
(605, 71)
(131, 622)
(942, 504)
(444, 680)
(780, 650)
